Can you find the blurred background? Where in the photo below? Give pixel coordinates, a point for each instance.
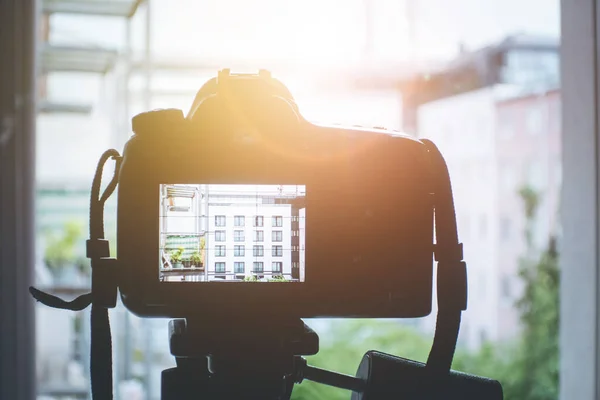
(482, 82)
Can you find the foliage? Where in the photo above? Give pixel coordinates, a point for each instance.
(252, 278)
(196, 258)
(342, 348)
(176, 255)
(278, 278)
(538, 362)
(61, 248)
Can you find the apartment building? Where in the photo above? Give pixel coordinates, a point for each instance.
(242, 231)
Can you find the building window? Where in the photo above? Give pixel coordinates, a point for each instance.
(238, 236)
(239, 251)
(295, 233)
(219, 220)
(295, 248)
(277, 266)
(295, 265)
(220, 267)
(277, 251)
(258, 251)
(278, 221)
(238, 220)
(295, 218)
(259, 236)
(506, 288)
(239, 267)
(505, 229)
(257, 266)
(535, 120)
(220, 251)
(259, 220)
(219, 236)
(277, 236)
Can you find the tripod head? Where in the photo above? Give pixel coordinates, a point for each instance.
(244, 359)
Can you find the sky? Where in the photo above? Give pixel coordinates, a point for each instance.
(330, 32)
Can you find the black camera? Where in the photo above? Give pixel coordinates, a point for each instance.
(244, 203)
(242, 218)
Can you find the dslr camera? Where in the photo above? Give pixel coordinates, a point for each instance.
(241, 217)
(244, 203)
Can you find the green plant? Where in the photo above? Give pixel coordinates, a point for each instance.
(177, 255)
(61, 249)
(196, 258)
(278, 278)
(252, 278)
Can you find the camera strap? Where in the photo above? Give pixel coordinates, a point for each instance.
(104, 286)
(451, 269)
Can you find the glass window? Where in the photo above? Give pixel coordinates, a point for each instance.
(258, 251)
(220, 251)
(277, 236)
(258, 220)
(505, 229)
(239, 267)
(257, 266)
(277, 221)
(277, 266)
(259, 236)
(219, 236)
(535, 120)
(220, 267)
(239, 220)
(238, 236)
(239, 251)
(277, 251)
(219, 220)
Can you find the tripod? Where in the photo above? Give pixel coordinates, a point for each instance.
(243, 360)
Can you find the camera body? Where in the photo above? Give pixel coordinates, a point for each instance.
(357, 237)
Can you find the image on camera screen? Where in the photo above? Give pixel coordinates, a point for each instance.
(231, 233)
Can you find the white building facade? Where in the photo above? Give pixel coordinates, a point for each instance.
(470, 130)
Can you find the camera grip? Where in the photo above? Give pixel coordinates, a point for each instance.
(391, 377)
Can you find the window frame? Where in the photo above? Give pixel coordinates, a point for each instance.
(275, 252)
(274, 233)
(239, 250)
(258, 248)
(218, 252)
(579, 338)
(219, 218)
(237, 218)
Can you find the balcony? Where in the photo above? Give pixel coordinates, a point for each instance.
(110, 8)
(51, 107)
(77, 59)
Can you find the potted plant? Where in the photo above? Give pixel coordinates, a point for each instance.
(196, 260)
(176, 258)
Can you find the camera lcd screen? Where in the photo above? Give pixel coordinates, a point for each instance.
(232, 233)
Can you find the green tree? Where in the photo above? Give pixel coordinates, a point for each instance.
(538, 362)
(527, 367)
(342, 348)
(61, 249)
